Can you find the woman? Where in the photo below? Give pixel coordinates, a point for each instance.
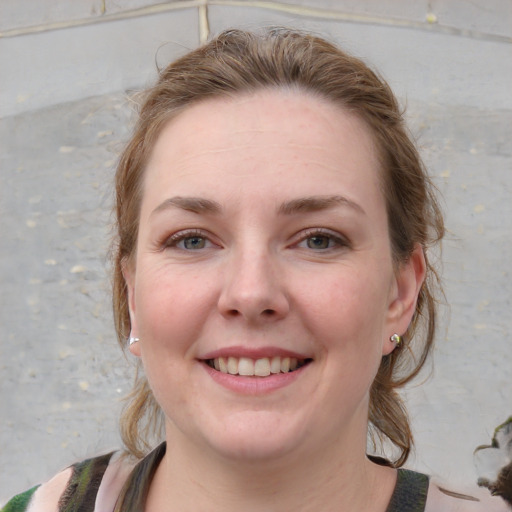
(272, 275)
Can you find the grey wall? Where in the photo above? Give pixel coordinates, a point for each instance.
(66, 68)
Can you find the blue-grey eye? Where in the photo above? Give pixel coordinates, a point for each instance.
(318, 242)
(194, 242)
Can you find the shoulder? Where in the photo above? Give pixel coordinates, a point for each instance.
(476, 499)
(82, 486)
(44, 498)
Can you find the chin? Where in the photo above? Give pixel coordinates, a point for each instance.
(254, 450)
(257, 436)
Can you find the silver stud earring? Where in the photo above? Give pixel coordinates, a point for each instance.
(132, 340)
(396, 339)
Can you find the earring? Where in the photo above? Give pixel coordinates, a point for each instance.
(397, 339)
(131, 340)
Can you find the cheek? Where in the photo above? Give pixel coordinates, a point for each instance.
(347, 318)
(347, 305)
(168, 312)
(170, 308)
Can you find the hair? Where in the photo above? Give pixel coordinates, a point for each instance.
(238, 62)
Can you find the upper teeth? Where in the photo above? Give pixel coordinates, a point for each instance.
(255, 367)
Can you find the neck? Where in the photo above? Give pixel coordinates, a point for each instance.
(190, 479)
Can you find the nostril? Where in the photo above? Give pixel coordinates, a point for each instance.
(268, 312)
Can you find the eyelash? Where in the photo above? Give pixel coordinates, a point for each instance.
(176, 238)
(336, 239)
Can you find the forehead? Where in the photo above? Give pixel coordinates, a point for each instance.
(275, 135)
(290, 110)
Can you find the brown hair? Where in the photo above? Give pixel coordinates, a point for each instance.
(241, 62)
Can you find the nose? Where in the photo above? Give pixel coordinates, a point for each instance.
(253, 288)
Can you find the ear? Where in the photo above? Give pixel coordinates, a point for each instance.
(404, 295)
(129, 278)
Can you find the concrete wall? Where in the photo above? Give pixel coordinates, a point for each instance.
(66, 67)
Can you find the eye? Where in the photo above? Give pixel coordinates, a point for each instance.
(193, 242)
(189, 240)
(318, 242)
(322, 240)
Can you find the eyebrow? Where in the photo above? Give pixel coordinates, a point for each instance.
(317, 203)
(299, 205)
(191, 204)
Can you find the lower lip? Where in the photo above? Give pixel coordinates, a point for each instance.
(254, 385)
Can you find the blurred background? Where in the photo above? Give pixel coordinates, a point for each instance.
(67, 74)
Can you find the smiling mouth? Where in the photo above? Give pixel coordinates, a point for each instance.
(262, 367)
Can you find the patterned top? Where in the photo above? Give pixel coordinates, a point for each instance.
(110, 483)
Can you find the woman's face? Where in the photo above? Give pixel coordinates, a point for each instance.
(263, 248)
